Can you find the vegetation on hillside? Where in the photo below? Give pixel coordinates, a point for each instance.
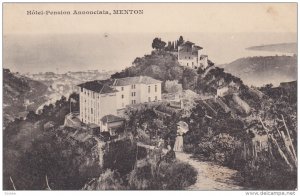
(163, 65)
(258, 144)
(249, 142)
(160, 65)
(253, 130)
(16, 91)
(31, 151)
(37, 158)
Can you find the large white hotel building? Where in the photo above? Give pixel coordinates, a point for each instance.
(103, 98)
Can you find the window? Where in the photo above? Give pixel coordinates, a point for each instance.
(155, 98)
(192, 63)
(122, 88)
(122, 96)
(133, 94)
(149, 88)
(187, 64)
(81, 89)
(149, 99)
(91, 110)
(133, 102)
(133, 86)
(155, 88)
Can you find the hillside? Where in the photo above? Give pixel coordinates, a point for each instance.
(282, 47)
(241, 128)
(258, 71)
(163, 65)
(160, 65)
(19, 92)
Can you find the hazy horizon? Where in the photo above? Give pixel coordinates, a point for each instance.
(34, 43)
(78, 52)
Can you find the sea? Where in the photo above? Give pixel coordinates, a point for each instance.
(60, 53)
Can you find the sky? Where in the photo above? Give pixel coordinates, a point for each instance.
(160, 17)
(73, 42)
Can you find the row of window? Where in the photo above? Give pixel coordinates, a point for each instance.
(92, 111)
(134, 87)
(149, 88)
(95, 95)
(149, 99)
(134, 101)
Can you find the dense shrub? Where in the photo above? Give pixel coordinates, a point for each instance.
(109, 180)
(149, 175)
(220, 148)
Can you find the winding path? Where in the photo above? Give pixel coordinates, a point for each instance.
(211, 176)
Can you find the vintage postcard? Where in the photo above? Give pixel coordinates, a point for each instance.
(150, 96)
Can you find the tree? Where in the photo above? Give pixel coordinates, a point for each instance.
(176, 45)
(173, 46)
(158, 44)
(180, 41)
(32, 116)
(173, 86)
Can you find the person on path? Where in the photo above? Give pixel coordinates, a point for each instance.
(182, 128)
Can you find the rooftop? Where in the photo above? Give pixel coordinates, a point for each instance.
(99, 86)
(111, 118)
(106, 86)
(189, 44)
(135, 80)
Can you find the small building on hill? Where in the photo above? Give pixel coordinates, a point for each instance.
(111, 123)
(190, 55)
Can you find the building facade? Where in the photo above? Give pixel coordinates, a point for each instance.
(190, 55)
(96, 98)
(106, 97)
(136, 90)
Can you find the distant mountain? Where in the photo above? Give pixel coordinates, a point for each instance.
(282, 47)
(20, 94)
(260, 70)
